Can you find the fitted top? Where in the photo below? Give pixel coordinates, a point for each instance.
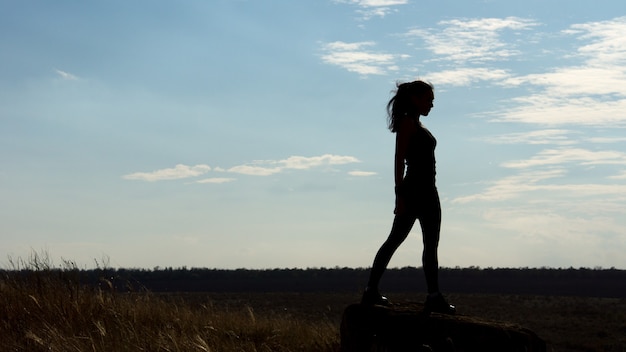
(420, 158)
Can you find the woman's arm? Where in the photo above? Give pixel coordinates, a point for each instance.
(403, 136)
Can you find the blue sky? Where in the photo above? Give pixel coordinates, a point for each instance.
(251, 134)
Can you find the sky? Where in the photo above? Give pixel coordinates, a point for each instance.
(252, 134)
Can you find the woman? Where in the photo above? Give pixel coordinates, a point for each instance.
(416, 193)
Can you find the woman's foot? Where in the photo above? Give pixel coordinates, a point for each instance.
(372, 297)
(435, 302)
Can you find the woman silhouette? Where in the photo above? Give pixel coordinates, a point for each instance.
(416, 193)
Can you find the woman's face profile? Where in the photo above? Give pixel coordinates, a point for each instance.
(423, 103)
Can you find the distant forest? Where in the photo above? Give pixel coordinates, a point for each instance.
(535, 281)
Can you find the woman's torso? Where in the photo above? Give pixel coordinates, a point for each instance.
(420, 158)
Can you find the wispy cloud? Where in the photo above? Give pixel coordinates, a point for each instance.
(373, 8)
(511, 186)
(468, 75)
(577, 156)
(66, 75)
(585, 80)
(355, 57)
(548, 136)
(180, 171)
(270, 167)
(301, 162)
(608, 43)
(620, 176)
(546, 171)
(541, 225)
(606, 140)
(592, 93)
(552, 110)
(216, 180)
(525, 182)
(374, 3)
(358, 173)
(255, 168)
(472, 40)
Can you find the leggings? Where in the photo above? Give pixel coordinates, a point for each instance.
(429, 216)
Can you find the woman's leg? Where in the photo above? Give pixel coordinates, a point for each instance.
(400, 229)
(430, 222)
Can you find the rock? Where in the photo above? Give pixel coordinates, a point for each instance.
(404, 327)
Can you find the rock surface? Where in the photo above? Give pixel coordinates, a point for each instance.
(404, 327)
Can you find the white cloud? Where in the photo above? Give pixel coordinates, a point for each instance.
(548, 136)
(254, 170)
(373, 8)
(608, 45)
(370, 13)
(573, 155)
(374, 3)
(66, 75)
(512, 186)
(355, 57)
(216, 180)
(474, 40)
(301, 162)
(620, 176)
(606, 139)
(540, 173)
(270, 167)
(541, 224)
(178, 172)
(592, 93)
(361, 173)
(546, 110)
(467, 76)
(587, 80)
(527, 182)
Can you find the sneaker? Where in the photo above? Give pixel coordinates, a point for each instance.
(373, 298)
(438, 304)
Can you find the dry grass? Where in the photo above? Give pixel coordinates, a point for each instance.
(48, 310)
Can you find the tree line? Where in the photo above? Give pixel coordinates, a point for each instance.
(596, 282)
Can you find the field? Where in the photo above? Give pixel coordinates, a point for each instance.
(50, 310)
(565, 323)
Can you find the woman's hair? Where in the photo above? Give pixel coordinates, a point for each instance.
(401, 105)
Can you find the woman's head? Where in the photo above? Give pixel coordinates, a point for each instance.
(412, 99)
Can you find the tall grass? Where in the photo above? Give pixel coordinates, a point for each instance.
(49, 308)
(43, 308)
